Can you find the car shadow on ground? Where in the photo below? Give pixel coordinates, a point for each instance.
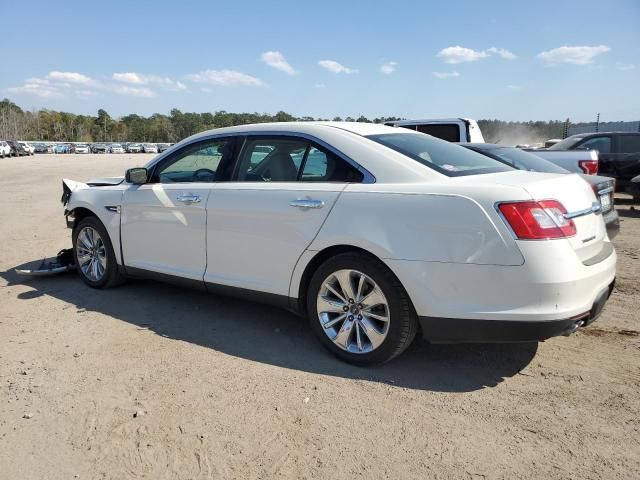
(273, 336)
(629, 213)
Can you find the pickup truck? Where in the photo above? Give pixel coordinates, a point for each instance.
(580, 161)
(449, 129)
(619, 154)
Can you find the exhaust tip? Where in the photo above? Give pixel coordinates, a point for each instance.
(572, 328)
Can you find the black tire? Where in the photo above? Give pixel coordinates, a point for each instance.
(403, 322)
(112, 276)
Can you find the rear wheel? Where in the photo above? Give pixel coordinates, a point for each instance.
(359, 310)
(93, 254)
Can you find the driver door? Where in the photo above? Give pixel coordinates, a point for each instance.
(163, 222)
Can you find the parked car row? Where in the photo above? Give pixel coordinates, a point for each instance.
(13, 148)
(10, 148)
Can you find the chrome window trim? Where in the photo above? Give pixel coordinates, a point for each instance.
(368, 177)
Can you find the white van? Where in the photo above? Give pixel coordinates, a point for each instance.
(449, 129)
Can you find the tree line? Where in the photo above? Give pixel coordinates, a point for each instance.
(50, 125)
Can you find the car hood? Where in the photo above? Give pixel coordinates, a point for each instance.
(105, 182)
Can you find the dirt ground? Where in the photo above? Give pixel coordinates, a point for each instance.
(155, 381)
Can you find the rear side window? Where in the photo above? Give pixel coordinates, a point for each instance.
(629, 143)
(449, 132)
(290, 159)
(323, 166)
(444, 157)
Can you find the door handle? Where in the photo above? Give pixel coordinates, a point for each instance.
(190, 198)
(306, 203)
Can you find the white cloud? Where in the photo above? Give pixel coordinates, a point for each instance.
(54, 84)
(71, 77)
(134, 91)
(39, 81)
(225, 78)
(460, 54)
(36, 88)
(140, 79)
(625, 67)
(443, 75)
(575, 55)
(514, 87)
(503, 52)
(336, 67)
(128, 77)
(277, 61)
(388, 68)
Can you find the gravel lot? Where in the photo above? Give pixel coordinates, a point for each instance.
(152, 380)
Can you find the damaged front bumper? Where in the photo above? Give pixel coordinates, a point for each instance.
(62, 263)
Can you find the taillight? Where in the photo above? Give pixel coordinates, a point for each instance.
(538, 220)
(590, 167)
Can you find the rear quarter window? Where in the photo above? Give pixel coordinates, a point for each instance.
(444, 157)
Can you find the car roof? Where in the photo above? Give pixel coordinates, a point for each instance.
(358, 128)
(590, 134)
(427, 120)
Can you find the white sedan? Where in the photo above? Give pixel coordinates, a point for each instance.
(373, 233)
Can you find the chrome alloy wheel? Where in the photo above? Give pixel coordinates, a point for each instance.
(91, 254)
(353, 311)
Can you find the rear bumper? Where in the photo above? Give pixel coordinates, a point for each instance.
(550, 285)
(463, 330)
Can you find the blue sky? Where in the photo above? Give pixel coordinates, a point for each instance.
(510, 60)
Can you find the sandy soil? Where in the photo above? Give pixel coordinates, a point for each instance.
(151, 380)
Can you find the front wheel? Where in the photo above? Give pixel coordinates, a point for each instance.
(93, 254)
(359, 310)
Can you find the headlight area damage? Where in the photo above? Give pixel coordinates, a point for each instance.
(63, 262)
(70, 186)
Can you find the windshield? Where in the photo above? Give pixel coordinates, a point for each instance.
(521, 160)
(447, 158)
(567, 143)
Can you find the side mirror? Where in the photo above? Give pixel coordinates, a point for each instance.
(137, 176)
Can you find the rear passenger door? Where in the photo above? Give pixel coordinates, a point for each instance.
(260, 222)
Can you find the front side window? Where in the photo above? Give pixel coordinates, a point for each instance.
(292, 160)
(601, 144)
(444, 157)
(195, 163)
